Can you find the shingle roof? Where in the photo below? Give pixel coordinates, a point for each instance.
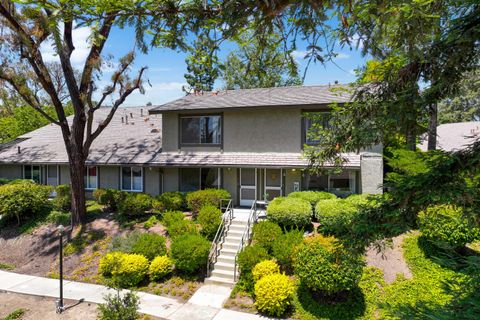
(136, 142)
(454, 136)
(244, 98)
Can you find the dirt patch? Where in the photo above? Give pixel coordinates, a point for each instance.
(242, 302)
(390, 260)
(175, 288)
(44, 308)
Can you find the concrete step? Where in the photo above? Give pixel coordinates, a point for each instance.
(226, 259)
(236, 228)
(230, 245)
(225, 266)
(225, 274)
(219, 281)
(238, 223)
(234, 234)
(228, 252)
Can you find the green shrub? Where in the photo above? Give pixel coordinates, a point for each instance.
(150, 222)
(160, 267)
(197, 199)
(209, 218)
(290, 212)
(150, 245)
(250, 256)
(190, 252)
(274, 294)
(136, 204)
(125, 243)
(284, 246)
(312, 196)
(117, 307)
(264, 268)
(23, 200)
(448, 224)
(4, 181)
(132, 269)
(63, 200)
(57, 217)
(112, 198)
(100, 195)
(182, 227)
(110, 262)
(358, 199)
(322, 264)
(335, 216)
(171, 201)
(170, 217)
(265, 233)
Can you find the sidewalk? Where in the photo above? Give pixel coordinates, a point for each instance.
(200, 307)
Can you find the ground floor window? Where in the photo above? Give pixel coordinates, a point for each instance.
(132, 179)
(33, 172)
(91, 178)
(52, 175)
(342, 183)
(192, 179)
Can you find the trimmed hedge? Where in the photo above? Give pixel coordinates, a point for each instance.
(135, 204)
(322, 264)
(209, 218)
(171, 201)
(160, 267)
(250, 256)
(265, 233)
(274, 294)
(190, 252)
(290, 212)
(335, 216)
(197, 199)
(312, 196)
(125, 270)
(150, 245)
(23, 200)
(264, 268)
(448, 224)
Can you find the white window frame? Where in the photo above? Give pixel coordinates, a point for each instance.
(40, 168)
(87, 187)
(131, 179)
(56, 169)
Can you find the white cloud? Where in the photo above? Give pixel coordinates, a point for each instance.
(298, 54)
(341, 55)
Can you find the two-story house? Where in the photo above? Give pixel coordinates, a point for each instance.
(247, 141)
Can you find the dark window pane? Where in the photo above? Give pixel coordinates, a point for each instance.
(248, 177)
(313, 123)
(137, 178)
(340, 184)
(190, 130)
(317, 182)
(126, 178)
(28, 172)
(36, 174)
(209, 178)
(210, 130)
(274, 177)
(189, 179)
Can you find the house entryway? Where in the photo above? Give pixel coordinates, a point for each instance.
(248, 186)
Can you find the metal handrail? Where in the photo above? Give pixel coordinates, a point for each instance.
(222, 230)
(252, 219)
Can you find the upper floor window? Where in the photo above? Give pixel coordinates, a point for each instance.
(132, 179)
(313, 123)
(91, 178)
(32, 172)
(201, 129)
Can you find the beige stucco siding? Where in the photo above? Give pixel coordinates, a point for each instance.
(170, 179)
(109, 177)
(11, 171)
(152, 181)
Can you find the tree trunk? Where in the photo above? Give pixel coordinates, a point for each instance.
(432, 126)
(411, 139)
(77, 174)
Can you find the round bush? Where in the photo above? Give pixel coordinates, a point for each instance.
(63, 200)
(448, 224)
(274, 294)
(182, 227)
(322, 264)
(290, 212)
(109, 262)
(264, 268)
(100, 195)
(190, 252)
(284, 246)
(335, 216)
(250, 256)
(312, 196)
(358, 199)
(150, 245)
(160, 267)
(197, 199)
(209, 218)
(265, 233)
(169, 217)
(172, 201)
(132, 270)
(136, 204)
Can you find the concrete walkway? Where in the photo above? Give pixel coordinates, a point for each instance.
(205, 304)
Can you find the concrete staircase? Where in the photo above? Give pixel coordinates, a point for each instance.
(223, 270)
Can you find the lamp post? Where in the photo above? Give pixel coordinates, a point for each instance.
(59, 303)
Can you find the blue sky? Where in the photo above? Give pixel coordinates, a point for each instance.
(166, 68)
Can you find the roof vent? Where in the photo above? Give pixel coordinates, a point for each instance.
(18, 149)
(122, 120)
(154, 131)
(141, 112)
(336, 81)
(126, 119)
(131, 115)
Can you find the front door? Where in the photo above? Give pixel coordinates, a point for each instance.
(273, 184)
(248, 186)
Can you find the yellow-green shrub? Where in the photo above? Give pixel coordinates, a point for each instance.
(274, 294)
(160, 267)
(111, 261)
(312, 196)
(126, 270)
(265, 268)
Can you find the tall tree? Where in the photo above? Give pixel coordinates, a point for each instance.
(202, 65)
(259, 62)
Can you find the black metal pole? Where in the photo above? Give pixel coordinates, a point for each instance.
(60, 307)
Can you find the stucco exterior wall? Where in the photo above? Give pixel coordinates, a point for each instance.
(371, 174)
(11, 171)
(109, 177)
(170, 179)
(152, 181)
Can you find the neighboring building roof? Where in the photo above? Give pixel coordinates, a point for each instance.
(244, 159)
(244, 98)
(134, 143)
(454, 136)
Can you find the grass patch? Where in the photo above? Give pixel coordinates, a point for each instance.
(181, 288)
(94, 208)
(6, 266)
(17, 314)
